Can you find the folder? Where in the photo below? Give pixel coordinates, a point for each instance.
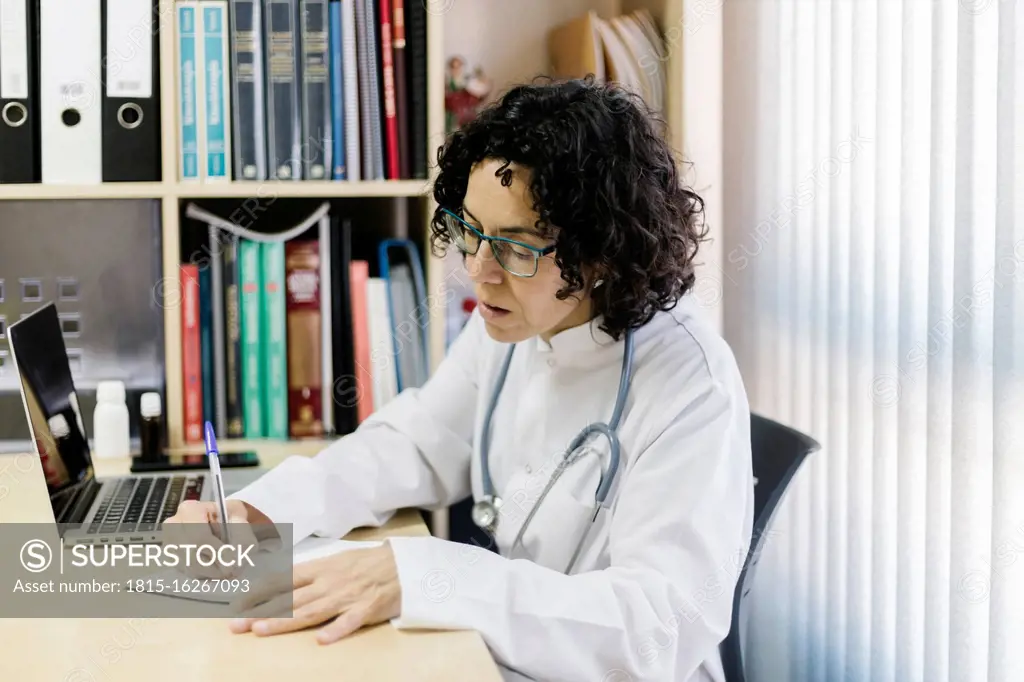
(408, 313)
(19, 150)
(69, 89)
(131, 104)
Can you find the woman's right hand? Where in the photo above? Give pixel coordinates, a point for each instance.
(198, 523)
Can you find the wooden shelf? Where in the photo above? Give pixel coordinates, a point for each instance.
(227, 190)
(110, 190)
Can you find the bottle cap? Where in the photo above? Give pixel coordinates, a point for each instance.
(150, 405)
(59, 426)
(110, 392)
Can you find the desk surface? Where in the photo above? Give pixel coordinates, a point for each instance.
(198, 650)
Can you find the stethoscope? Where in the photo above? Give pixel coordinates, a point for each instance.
(487, 510)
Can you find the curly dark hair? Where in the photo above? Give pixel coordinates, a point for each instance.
(604, 182)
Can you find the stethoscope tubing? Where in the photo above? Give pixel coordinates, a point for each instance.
(574, 451)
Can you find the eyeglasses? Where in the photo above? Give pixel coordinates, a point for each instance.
(515, 257)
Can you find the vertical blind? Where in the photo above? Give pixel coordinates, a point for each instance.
(874, 297)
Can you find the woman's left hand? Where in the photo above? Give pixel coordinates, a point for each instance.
(357, 587)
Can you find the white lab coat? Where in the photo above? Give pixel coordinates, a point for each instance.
(651, 595)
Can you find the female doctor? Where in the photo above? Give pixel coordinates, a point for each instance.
(601, 427)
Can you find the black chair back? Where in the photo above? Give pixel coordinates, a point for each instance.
(777, 451)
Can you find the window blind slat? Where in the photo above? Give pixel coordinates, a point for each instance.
(859, 403)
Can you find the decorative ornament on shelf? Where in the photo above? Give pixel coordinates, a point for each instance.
(464, 93)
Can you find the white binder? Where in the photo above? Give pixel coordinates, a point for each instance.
(70, 94)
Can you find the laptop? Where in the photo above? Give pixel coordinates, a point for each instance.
(90, 510)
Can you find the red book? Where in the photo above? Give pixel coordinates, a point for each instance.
(359, 273)
(387, 60)
(401, 86)
(191, 354)
(302, 306)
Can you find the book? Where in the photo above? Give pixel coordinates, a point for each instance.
(232, 340)
(275, 350)
(250, 296)
(302, 289)
(191, 360)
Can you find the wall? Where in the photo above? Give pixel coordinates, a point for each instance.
(509, 39)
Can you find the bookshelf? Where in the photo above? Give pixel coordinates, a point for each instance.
(172, 195)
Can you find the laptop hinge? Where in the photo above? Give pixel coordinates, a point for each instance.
(78, 509)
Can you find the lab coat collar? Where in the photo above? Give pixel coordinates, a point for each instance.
(582, 345)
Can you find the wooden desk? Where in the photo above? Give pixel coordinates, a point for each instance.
(198, 650)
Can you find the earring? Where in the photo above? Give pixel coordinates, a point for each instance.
(598, 283)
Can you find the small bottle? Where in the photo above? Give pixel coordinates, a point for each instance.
(110, 422)
(151, 427)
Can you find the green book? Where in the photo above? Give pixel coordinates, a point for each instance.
(251, 308)
(275, 347)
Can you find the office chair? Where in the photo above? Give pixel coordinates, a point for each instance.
(777, 451)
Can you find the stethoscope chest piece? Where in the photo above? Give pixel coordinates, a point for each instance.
(485, 513)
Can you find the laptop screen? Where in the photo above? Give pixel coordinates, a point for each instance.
(51, 403)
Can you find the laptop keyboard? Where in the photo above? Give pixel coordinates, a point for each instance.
(141, 504)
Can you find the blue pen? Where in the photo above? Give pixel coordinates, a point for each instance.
(218, 483)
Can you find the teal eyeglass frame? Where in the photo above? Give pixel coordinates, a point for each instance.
(538, 251)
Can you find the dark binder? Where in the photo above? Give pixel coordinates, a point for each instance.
(131, 95)
(416, 66)
(346, 396)
(398, 43)
(19, 97)
(283, 78)
(317, 143)
(247, 83)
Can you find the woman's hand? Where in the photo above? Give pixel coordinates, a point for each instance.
(355, 588)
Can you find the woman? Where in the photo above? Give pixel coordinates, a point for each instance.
(567, 206)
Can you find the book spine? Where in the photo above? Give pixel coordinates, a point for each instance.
(317, 139)
(248, 101)
(302, 287)
(216, 246)
(232, 341)
(350, 64)
(206, 342)
(191, 360)
(387, 58)
(359, 275)
(416, 49)
(275, 357)
(337, 93)
(401, 86)
(283, 124)
(251, 333)
(216, 119)
(188, 128)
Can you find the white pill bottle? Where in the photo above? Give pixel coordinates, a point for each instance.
(111, 431)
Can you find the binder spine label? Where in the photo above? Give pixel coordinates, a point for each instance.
(215, 48)
(187, 94)
(128, 62)
(13, 49)
(250, 162)
(317, 142)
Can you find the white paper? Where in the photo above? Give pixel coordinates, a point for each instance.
(13, 50)
(305, 550)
